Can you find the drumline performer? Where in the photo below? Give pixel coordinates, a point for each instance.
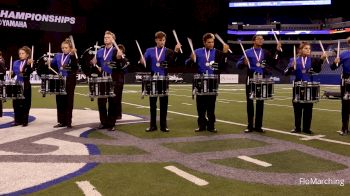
(66, 64)
(208, 60)
(22, 69)
(2, 76)
(258, 62)
(111, 61)
(303, 66)
(156, 60)
(343, 60)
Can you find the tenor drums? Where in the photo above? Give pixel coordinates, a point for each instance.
(101, 87)
(53, 84)
(155, 86)
(205, 84)
(11, 90)
(306, 92)
(261, 88)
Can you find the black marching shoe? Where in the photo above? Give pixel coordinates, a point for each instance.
(164, 129)
(25, 124)
(260, 130)
(213, 130)
(344, 132)
(199, 129)
(308, 132)
(15, 124)
(59, 125)
(149, 129)
(102, 126)
(69, 126)
(296, 131)
(248, 130)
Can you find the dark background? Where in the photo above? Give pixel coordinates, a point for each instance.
(139, 20)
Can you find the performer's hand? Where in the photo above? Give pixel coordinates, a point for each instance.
(193, 57)
(119, 54)
(337, 60)
(73, 51)
(93, 61)
(177, 47)
(324, 56)
(142, 61)
(225, 48)
(279, 46)
(245, 61)
(30, 61)
(99, 69)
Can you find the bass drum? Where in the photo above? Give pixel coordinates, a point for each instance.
(85, 61)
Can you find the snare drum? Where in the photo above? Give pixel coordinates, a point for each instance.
(205, 84)
(155, 86)
(11, 90)
(306, 92)
(53, 84)
(261, 88)
(101, 87)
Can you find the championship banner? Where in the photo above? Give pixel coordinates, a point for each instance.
(39, 21)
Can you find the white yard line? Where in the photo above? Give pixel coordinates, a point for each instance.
(255, 161)
(244, 125)
(87, 188)
(186, 103)
(187, 176)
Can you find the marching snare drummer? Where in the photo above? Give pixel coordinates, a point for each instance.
(22, 69)
(259, 61)
(111, 62)
(66, 64)
(157, 59)
(206, 59)
(302, 67)
(2, 76)
(343, 60)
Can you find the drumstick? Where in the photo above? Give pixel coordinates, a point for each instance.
(191, 46)
(10, 74)
(324, 52)
(294, 57)
(338, 50)
(31, 64)
(96, 46)
(73, 45)
(49, 59)
(177, 40)
(143, 58)
(274, 34)
(115, 45)
(245, 55)
(222, 41)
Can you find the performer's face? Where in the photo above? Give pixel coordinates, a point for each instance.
(209, 43)
(259, 41)
(306, 50)
(65, 48)
(160, 42)
(108, 39)
(22, 55)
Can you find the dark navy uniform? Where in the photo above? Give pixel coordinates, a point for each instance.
(166, 57)
(66, 65)
(304, 65)
(21, 107)
(345, 104)
(111, 66)
(206, 103)
(261, 61)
